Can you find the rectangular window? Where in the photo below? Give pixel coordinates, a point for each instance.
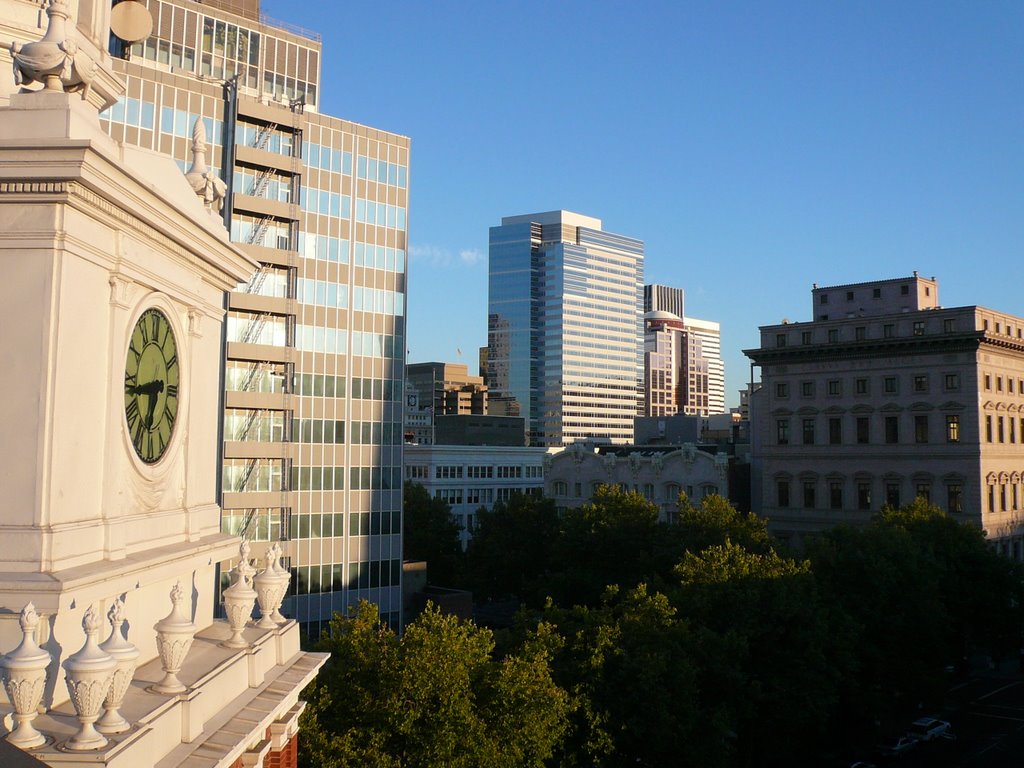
(805, 337)
(833, 335)
(782, 490)
(834, 387)
(807, 388)
(835, 431)
(999, 383)
(952, 429)
(988, 383)
(860, 333)
(892, 494)
(988, 429)
(863, 430)
(809, 494)
(863, 495)
(1012, 423)
(919, 327)
(849, 295)
(905, 290)
(954, 498)
(823, 298)
(949, 325)
(1002, 433)
(876, 293)
(892, 429)
(923, 491)
(808, 431)
(782, 389)
(861, 386)
(920, 383)
(888, 330)
(921, 428)
(780, 340)
(835, 495)
(951, 382)
(782, 431)
(889, 385)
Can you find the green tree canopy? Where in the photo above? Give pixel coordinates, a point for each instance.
(433, 697)
(431, 533)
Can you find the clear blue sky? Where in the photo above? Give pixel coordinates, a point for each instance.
(756, 148)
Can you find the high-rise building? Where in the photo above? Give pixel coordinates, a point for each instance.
(664, 298)
(565, 334)
(886, 396)
(683, 367)
(703, 392)
(312, 433)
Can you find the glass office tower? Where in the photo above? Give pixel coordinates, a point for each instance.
(565, 334)
(315, 349)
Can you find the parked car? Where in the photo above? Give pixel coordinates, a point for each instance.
(928, 728)
(897, 746)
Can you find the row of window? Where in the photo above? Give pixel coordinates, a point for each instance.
(836, 494)
(376, 433)
(1003, 429)
(860, 332)
(670, 491)
(380, 214)
(323, 248)
(476, 496)
(325, 385)
(862, 430)
(890, 385)
(1011, 384)
(378, 300)
(321, 292)
(380, 257)
(328, 158)
(315, 579)
(318, 431)
(1008, 494)
(332, 525)
(333, 478)
(382, 172)
(325, 202)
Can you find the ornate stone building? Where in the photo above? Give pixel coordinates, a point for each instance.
(116, 266)
(572, 476)
(885, 396)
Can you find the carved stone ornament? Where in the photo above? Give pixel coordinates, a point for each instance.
(88, 675)
(23, 671)
(205, 183)
(127, 657)
(285, 578)
(239, 598)
(55, 61)
(270, 588)
(174, 634)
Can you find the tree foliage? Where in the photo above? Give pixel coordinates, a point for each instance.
(431, 533)
(435, 696)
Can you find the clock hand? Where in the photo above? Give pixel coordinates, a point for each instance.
(156, 387)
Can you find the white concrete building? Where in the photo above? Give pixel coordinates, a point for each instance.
(469, 477)
(116, 267)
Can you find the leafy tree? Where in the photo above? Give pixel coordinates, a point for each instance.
(716, 522)
(767, 674)
(511, 550)
(431, 533)
(629, 665)
(435, 696)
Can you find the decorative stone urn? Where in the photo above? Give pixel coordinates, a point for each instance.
(239, 598)
(55, 60)
(271, 585)
(88, 674)
(174, 634)
(127, 657)
(284, 576)
(23, 671)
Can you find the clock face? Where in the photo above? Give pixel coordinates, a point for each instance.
(151, 380)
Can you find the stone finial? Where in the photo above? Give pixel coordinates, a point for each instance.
(127, 656)
(174, 634)
(55, 60)
(88, 675)
(206, 184)
(23, 672)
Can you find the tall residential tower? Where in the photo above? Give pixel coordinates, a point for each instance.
(315, 348)
(565, 336)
